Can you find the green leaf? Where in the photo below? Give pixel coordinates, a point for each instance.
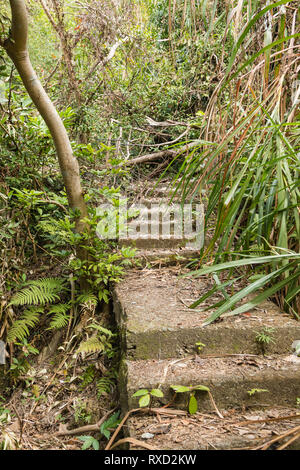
(193, 405)
(242, 262)
(202, 388)
(96, 444)
(254, 287)
(111, 422)
(89, 441)
(144, 400)
(180, 388)
(245, 30)
(141, 392)
(156, 392)
(264, 295)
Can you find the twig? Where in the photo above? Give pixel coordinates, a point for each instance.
(276, 439)
(164, 411)
(109, 56)
(84, 429)
(50, 382)
(72, 310)
(170, 123)
(294, 438)
(50, 201)
(214, 405)
(172, 141)
(53, 71)
(21, 423)
(267, 420)
(237, 355)
(113, 437)
(136, 442)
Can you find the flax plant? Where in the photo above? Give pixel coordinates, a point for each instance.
(251, 173)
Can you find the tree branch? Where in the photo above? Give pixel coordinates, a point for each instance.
(83, 429)
(109, 56)
(164, 153)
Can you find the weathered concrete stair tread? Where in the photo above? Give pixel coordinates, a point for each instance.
(229, 379)
(163, 227)
(151, 307)
(148, 243)
(159, 335)
(208, 432)
(157, 202)
(166, 257)
(149, 189)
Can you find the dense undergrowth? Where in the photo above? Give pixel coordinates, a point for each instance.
(127, 82)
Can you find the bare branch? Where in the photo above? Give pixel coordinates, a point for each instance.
(164, 153)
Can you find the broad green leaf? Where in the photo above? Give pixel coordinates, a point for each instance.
(201, 387)
(156, 392)
(141, 392)
(259, 298)
(254, 286)
(144, 400)
(193, 405)
(180, 388)
(242, 262)
(96, 444)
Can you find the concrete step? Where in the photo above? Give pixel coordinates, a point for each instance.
(146, 243)
(237, 430)
(153, 189)
(151, 309)
(166, 257)
(162, 203)
(229, 378)
(163, 226)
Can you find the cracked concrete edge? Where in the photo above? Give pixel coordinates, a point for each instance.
(219, 338)
(229, 391)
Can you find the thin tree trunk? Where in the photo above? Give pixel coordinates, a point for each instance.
(16, 48)
(59, 28)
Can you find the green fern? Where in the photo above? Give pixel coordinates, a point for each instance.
(101, 329)
(60, 318)
(59, 308)
(92, 345)
(39, 292)
(104, 386)
(88, 377)
(20, 328)
(87, 298)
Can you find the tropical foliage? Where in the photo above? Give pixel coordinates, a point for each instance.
(252, 174)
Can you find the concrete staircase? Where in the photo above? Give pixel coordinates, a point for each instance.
(249, 382)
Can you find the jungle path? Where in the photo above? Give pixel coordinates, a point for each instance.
(249, 390)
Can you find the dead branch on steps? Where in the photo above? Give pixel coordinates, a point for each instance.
(163, 411)
(162, 154)
(170, 123)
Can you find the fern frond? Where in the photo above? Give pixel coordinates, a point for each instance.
(87, 298)
(59, 308)
(88, 377)
(59, 320)
(39, 292)
(104, 386)
(101, 329)
(20, 328)
(48, 283)
(92, 345)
